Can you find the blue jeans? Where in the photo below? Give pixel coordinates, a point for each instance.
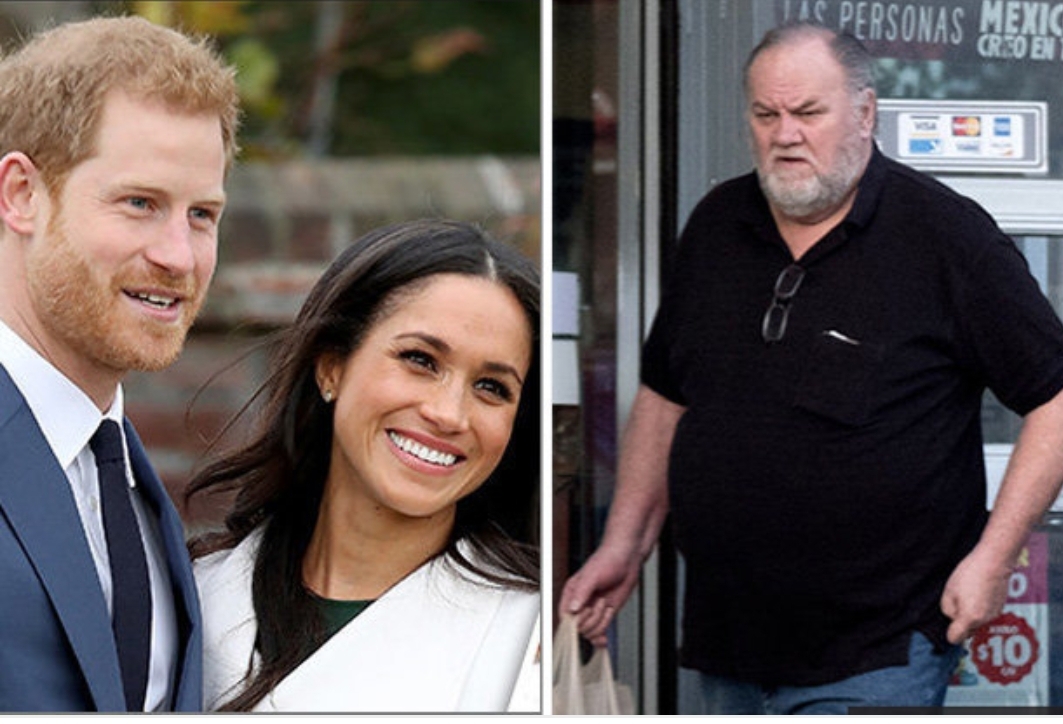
(922, 683)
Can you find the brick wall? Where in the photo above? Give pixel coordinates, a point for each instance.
(282, 226)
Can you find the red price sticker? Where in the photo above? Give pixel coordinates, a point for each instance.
(1005, 649)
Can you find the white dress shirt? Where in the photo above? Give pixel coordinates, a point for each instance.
(68, 418)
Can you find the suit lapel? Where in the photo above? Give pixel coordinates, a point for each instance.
(35, 497)
(187, 695)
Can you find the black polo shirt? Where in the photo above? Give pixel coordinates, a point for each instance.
(823, 487)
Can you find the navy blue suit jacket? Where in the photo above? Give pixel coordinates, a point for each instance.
(57, 652)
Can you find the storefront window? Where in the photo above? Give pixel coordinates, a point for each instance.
(585, 260)
(959, 50)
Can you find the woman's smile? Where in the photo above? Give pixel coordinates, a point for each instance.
(436, 454)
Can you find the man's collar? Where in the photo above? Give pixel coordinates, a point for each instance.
(66, 415)
(868, 190)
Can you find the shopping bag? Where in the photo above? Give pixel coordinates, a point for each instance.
(585, 688)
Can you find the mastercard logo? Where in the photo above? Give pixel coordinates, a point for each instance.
(966, 126)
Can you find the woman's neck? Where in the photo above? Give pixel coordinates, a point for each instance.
(358, 551)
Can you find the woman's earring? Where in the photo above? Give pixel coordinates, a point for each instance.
(327, 395)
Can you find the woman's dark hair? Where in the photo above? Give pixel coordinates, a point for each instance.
(279, 475)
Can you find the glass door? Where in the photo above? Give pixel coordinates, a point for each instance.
(1016, 660)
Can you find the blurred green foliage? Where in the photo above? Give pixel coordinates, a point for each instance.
(374, 77)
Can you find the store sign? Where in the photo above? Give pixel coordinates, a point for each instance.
(975, 136)
(1027, 31)
(1006, 661)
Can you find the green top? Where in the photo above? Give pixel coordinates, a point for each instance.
(338, 614)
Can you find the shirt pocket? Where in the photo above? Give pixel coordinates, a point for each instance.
(840, 377)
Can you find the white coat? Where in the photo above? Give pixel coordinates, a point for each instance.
(440, 640)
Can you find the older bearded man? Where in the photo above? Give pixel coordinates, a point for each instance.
(809, 411)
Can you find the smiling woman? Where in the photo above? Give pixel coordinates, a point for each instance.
(424, 407)
(381, 555)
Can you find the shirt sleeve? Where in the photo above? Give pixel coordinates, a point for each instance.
(656, 372)
(1013, 332)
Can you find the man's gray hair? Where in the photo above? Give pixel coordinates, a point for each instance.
(854, 58)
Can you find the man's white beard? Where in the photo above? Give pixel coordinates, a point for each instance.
(816, 195)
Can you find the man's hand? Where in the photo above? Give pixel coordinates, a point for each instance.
(598, 590)
(976, 591)
(974, 595)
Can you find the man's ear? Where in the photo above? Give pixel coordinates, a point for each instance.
(869, 112)
(19, 192)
